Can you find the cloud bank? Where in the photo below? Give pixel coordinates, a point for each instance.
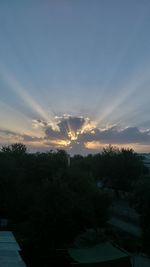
(77, 135)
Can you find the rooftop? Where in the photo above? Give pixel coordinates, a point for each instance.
(9, 251)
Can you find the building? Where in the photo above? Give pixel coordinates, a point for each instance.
(9, 251)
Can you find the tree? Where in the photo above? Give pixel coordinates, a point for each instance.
(122, 167)
(141, 201)
(17, 149)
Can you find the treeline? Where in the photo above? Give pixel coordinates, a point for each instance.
(50, 197)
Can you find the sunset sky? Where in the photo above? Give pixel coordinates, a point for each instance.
(75, 74)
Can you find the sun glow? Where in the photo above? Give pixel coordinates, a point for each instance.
(93, 145)
(73, 135)
(88, 126)
(60, 143)
(97, 145)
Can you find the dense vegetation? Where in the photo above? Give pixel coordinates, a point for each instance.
(50, 198)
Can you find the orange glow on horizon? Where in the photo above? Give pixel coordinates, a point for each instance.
(96, 145)
(57, 143)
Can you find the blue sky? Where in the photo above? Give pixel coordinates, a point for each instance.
(81, 67)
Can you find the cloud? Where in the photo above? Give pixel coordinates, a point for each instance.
(17, 137)
(39, 123)
(115, 136)
(68, 128)
(77, 135)
(133, 135)
(80, 130)
(28, 138)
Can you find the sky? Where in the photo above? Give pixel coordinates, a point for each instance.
(75, 74)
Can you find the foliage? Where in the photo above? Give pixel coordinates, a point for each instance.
(50, 200)
(141, 201)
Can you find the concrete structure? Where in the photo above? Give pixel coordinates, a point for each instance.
(9, 251)
(146, 160)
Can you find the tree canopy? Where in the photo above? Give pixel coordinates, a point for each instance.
(50, 198)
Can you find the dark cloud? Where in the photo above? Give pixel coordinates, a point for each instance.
(20, 137)
(53, 134)
(65, 125)
(57, 134)
(71, 123)
(111, 135)
(133, 135)
(28, 138)
(115, 136)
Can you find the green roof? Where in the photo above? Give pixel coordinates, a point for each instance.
(99, 253)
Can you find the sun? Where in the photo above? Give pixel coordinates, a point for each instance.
(73, 135)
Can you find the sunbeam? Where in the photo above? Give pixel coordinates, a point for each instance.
(91, 62)
(20, 91)
(119, 99)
